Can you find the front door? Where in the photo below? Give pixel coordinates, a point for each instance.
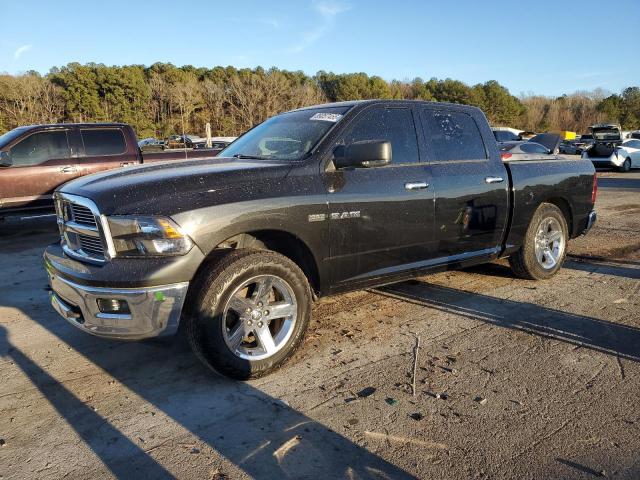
(471, 189)
(40, 163)
(380, 218)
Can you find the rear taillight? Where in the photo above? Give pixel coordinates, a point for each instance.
(505, 155)
(594, 190)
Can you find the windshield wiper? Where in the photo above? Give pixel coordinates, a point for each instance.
(242, 156)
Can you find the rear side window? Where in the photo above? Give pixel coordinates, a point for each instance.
(105, 141)
(395, 125)
(452, 136)
(40, 147)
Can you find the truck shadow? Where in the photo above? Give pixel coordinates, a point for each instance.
(599, 335)
(258, 433)
(623, 269)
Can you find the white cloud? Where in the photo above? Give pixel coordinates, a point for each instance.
(328, 10)
(21, 50)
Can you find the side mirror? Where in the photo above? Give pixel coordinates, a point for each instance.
(367, 153)
(5, 159)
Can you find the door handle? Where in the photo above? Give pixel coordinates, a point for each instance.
(494, 180)
(68, 169)
(126, 164)
(416, 185)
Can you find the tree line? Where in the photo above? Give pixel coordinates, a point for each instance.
(163, 99)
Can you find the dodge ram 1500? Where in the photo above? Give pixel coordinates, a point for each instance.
(311, 202)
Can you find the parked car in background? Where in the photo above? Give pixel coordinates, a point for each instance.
(151, 145)
(543, 145)
(603, 152)
(310, 203)
(150, 141)
(217, 144)
(36, 159)
(503, 135)
(568, 147)
(629, 152)
(582, 143)
(184, 141)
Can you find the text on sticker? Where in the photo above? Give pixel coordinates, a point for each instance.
(327, 117)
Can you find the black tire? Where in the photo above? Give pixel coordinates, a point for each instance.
(626, 166)
(524, 263)
(215, 287)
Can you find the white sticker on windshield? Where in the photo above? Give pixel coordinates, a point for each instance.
(326, 117)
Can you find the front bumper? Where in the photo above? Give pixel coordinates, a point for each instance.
(153, 311)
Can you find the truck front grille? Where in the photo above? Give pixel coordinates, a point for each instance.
(82, 214)
(80, 229)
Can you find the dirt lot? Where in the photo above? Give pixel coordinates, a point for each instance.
(515, 379)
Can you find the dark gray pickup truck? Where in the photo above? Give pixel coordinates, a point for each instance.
(311, 202)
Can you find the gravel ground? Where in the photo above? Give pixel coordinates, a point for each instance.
(514, 379)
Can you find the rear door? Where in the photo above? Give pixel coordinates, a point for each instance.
(380, 218)
(471, 189)
(41, 162)
(104, 148)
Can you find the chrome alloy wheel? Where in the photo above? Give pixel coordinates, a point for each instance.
(259, 317)
(550, 243)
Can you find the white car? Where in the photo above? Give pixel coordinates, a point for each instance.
(623, 157)
(629, 153)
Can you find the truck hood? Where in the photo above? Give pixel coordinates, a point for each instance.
(171, 187)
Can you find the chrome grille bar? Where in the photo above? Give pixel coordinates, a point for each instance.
(81, 231)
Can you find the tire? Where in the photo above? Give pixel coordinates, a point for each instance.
(226, 302)
(626, 166)
(527, 263)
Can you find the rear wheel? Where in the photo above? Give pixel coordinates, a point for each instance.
(626, 166)
(545, 245)
(251, 313)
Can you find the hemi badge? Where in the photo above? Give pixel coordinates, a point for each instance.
(317, 217)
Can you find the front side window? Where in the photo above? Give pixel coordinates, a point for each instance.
(453, 136)
(40, 147)
(289, 136)
(394, 125)
(103, 141)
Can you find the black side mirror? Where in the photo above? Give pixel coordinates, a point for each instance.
(367, 153)
(5, 159)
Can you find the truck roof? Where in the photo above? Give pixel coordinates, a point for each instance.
(85, 124)
(352, 103)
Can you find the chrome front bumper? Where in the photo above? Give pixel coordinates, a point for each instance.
(154, 311)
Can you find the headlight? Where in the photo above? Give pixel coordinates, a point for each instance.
(147, 237)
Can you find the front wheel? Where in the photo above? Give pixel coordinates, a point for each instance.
(545, 245)
(251, 313)
(626, 166)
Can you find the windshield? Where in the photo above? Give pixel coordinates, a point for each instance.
(289, 136)
(11, 135)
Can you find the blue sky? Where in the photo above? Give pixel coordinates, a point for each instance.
(545, 47)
